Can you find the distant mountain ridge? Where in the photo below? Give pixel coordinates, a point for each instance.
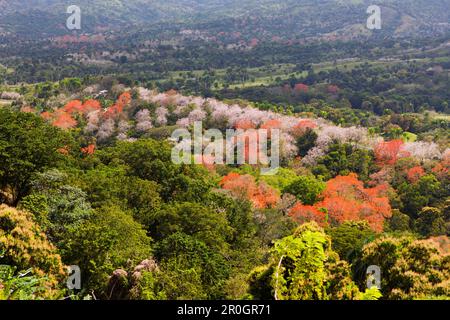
(48, 16)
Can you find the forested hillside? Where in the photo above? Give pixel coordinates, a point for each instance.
(297, 18)
(224, 150)
(94, 180)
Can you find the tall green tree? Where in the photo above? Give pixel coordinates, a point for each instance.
(304, 267)
(27, 146)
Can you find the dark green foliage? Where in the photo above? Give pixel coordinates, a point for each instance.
(201, 222)
(400, 221)
(109, 240)
(411, 269)
(417, 195)
(239, 216)
(349, 238)
(113, 185)
(58, 207)
(273, 225)
(187, 254)
(260, 280)
(27, 145)
(151, 160)
(431, 222)
(342, 159)
(306, 141)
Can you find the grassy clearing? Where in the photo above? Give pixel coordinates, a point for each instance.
(4, 103)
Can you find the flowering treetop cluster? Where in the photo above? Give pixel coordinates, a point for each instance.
(172, 108)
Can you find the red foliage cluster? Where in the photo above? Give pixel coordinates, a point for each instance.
(244, 124)
(333, 89)
(46, 115)
(79, 39)
(302, 214)
(271, 125)
(63, 150)
(89, 150)
(415, 173)
(74, 106)
(254, 42)
(63, 120)
(91, 105)
(300, 87)
(388, 152)
(244, 186)
(123, 100)
(250, 139)
(302, 126)
(64, 117)
(442, 169)
(346, 199)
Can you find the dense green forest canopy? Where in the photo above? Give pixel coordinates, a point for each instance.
(100, 189)
(86, 171)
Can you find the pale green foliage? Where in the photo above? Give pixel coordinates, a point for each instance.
(307, 189)
(58, 207)
(304, 267)
(307, 254)
(148, 287)
(281, 180)
(370, 294)
(19, 286)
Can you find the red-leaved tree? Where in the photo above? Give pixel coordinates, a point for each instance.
(388, 152)
(415, 173)
(245, 187)
(346, 199)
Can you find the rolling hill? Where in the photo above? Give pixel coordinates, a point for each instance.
(42, 18)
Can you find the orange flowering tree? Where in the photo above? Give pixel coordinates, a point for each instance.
(64, 120)
(261, 195)
(244, 124)
(300, 87)
(415, 173)
(346, 199)
(64, 117)
(305, 213)
(89, 150)
(302, 127)
(388, 152)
